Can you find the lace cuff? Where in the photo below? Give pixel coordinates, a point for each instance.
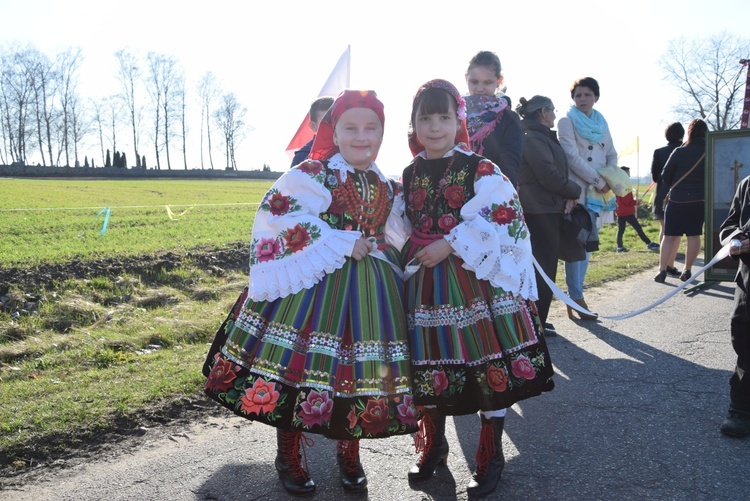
(276, 279)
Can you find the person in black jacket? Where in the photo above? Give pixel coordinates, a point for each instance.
(545, 191)
(674, 134)
(737, 226)
(318, 109)
(494, 128)
(684, 214)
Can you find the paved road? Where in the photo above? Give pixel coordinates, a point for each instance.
(635, 415)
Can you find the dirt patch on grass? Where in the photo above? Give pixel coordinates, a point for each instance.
(22, 288)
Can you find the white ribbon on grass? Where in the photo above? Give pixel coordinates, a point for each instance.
(723, 252)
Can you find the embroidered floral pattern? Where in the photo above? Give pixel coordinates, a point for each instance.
(375, 419)
(312, 167)
(315, 410)
(267, 249)
(278, 204)
(437, 382)
(222, 375)
(509, 215)
(487, 168)
(407, 412)
(262, 398)
(523, 368)
(435, 201)
(447, 222)
(497, 379)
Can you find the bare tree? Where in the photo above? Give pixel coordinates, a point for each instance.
(165, 77)
(230, 118)
(706, 72)
(208, 89)
(17, 94)
(80, 125)
(182, 99)
(43, 82)
(67, 65)
(129, 76)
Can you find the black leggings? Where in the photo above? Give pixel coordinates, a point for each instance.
(621, 220)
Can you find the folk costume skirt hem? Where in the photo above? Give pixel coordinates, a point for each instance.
(473, 346)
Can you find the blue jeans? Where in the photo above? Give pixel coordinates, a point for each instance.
(575, 273)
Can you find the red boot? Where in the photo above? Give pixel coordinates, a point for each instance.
(295, 478)
(353, 477)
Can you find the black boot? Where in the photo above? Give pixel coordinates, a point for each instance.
(431, 442)
(288, 463)
(490, 459)
(353, 477)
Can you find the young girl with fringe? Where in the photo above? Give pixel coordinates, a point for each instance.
(319, 345)
(474, 331)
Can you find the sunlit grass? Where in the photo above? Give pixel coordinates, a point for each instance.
(53, 221)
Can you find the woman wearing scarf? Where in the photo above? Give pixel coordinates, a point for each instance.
(585, 138)
(320, 344)
(494, 128)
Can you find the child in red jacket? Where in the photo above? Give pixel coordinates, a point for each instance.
(625, 212)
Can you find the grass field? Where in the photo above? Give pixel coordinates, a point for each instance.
(99, 353)
(51, 221)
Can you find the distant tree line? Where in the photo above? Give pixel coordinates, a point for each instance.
(43, 118)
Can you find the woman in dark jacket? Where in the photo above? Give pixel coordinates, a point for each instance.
(674, 134)
(545, 191)
(684, 214)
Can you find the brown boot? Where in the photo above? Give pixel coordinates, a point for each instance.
(430, 441)
(490, 458)
(582, 303)
(295, 478)
(353, 477)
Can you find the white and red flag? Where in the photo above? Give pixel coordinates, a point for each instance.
(336, 83)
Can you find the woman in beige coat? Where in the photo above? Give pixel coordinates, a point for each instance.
(585, 138)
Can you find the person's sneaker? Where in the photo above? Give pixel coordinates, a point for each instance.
(622, 249)
(653, 246)
(549, 329)
(672, 271)
(736, 424)
(686, 275)
(661, 277)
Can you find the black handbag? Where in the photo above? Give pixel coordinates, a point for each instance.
(575, 231)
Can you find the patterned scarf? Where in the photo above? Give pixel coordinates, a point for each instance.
(590, 128)
(483, 113)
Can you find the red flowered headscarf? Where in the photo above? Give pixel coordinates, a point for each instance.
(462, 136)
(323, 147)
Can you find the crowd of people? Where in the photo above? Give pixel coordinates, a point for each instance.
(378, 307)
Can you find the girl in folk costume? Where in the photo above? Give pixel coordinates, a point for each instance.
(473, 326)
(320, 344)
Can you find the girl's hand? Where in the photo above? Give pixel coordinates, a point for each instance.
(569, 204)
(604, 189)
(362, 247)
(434, 253)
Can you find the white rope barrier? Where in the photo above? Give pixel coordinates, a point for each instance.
(723, 252)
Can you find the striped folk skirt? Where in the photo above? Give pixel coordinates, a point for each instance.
(332, 359)
(473, 346)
